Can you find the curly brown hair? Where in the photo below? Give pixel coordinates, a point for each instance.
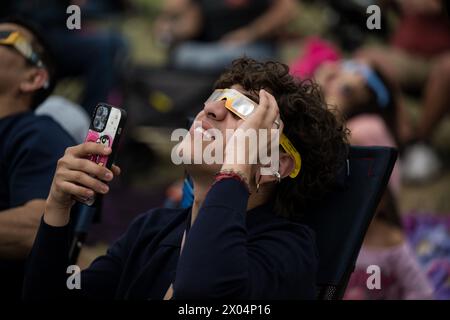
(314, 130)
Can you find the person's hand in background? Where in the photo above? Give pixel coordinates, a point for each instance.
(179, 20)
(238, 37)
(276, 17)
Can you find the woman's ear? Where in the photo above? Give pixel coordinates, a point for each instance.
(34, 79)
(287, 164)
(285, 169)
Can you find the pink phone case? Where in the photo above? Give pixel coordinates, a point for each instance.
(109, 137)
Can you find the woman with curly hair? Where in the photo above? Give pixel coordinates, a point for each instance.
(241, 238)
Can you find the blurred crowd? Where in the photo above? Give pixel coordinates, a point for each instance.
(391, 86)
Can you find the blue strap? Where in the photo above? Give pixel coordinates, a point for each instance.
(373, 81)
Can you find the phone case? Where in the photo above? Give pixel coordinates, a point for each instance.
(109, 136)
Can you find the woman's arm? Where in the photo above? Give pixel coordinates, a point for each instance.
(218, 261)
(46, 273)
(179, 20)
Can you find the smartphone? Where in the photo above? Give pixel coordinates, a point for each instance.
(106, 128)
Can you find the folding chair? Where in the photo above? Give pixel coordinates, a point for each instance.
(341, 220)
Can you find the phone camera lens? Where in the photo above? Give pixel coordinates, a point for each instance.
(97, 123)
(101, 117)
(101, 111)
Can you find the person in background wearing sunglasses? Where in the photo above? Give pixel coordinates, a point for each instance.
(30, 145)
(371, 107)
(241, 238)
(366, 100)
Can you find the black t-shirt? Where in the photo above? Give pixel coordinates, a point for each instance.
(223, 16)
(30, 146)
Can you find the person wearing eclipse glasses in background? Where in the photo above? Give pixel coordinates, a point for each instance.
(30, 146)
(241, 238)
(369, 103)
(365, 98)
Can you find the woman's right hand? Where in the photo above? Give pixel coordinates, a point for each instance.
(77, 177)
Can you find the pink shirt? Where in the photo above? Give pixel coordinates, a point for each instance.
(400, 275)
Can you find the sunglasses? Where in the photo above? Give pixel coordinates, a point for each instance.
(243, 107)
(16, 40)
(372, 80)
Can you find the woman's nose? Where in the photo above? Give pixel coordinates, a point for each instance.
(215, 110)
